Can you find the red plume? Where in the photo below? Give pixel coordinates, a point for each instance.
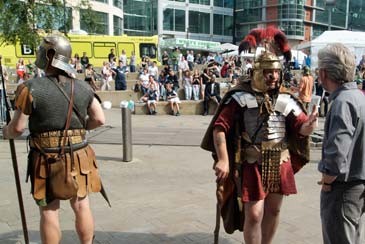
(280, 41)
(251, 40)
(275, 37)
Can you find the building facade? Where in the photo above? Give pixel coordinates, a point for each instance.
(217, 20)
(301, 20)
(210, 20)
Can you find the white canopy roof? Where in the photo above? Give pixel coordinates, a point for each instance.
(355, 41)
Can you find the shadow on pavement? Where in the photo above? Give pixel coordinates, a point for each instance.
(69, 237)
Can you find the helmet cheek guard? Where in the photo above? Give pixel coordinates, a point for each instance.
(266, 61)
(62, 54)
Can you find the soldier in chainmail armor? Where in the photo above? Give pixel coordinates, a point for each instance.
(44, 102)
(259, 140)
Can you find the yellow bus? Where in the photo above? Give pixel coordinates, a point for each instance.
(96, 47)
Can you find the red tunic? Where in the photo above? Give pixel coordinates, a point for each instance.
(252, 189)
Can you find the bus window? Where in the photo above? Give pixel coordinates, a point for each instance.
(128, 47)
(102, 49)
(80, 47)
(147, 50)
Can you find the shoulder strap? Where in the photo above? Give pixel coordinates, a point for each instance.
(77, 112)
(69, 115)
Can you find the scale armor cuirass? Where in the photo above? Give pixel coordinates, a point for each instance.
(50, 105)
(263, 137)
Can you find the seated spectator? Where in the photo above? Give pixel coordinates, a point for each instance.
(107, 75)
(132, 62)
(20, 70)
(150, 97)
(204, 79)
(153, 70)
(187, 84)
(84, 60)
(172, 78)
(212, 92)
(224, 69)
(173, 99)
(143, 65)
(213, 68)
(190, 59)
(161, 82)
(90, 77)
(198, 59)
(183, 66)
(151, 80)
(196, 84)
(144, 81)
(76, 62)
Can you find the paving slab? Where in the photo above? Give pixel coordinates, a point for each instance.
(166, 194)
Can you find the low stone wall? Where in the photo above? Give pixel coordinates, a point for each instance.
(186, 108)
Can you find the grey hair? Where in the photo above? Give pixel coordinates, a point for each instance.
(338, 61)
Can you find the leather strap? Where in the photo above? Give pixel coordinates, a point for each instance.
(69, 115)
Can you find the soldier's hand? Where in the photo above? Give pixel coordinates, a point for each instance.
(313, 116)
(221, 170)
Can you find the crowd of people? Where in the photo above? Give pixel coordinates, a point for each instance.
(259, 139)
(191, 72)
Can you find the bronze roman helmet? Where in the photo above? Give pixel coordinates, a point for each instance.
(266, 61)
(275, 44)
(62, 53)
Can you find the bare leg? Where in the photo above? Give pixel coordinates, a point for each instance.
(270, 222)
(149, 108)
(154, 107)
(177, 107)
(84, 220)
(49, 224)
(172, 107)
(254, 212)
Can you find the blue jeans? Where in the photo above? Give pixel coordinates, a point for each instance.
(342, 213)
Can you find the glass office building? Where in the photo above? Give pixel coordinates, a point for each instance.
(210, 20)
(301, 20)
(217, 20)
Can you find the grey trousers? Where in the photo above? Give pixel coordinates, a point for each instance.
(342, 214)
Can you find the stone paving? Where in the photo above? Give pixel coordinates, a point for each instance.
(165, 195)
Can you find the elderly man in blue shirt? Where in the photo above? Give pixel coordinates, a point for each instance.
(343, 153)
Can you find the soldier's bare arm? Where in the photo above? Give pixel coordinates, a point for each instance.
(222, 166)
(96, 115)
(16, 126)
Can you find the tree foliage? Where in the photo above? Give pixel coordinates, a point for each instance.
(25, 21)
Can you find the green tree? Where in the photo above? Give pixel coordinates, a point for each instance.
(25, 21)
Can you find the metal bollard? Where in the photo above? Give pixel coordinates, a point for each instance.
(126, 132)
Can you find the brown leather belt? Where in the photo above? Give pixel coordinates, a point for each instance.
(53, 139)
(253, 154)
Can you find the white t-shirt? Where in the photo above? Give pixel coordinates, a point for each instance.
(123, 58)
(153, 70)
(144, 79)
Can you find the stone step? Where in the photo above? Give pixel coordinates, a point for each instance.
(186, 108)
(115, 97)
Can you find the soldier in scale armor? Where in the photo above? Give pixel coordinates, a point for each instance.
(259, 140)
(46, 104)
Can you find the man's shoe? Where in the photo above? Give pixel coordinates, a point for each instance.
(154, 112)
(178, 113)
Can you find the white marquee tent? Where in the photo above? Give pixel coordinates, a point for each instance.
(355, 41)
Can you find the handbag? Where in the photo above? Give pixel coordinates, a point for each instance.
(61, 184)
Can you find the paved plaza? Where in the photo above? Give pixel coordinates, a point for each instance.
(166, 194)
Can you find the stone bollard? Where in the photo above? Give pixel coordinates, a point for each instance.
(126, 132)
